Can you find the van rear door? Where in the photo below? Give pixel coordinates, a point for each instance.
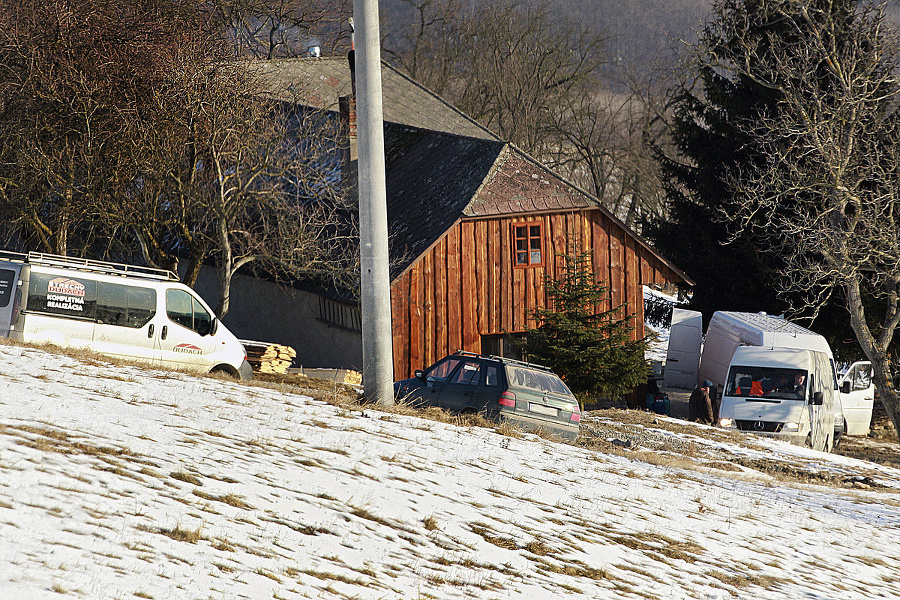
(683, 353)
(10, 295)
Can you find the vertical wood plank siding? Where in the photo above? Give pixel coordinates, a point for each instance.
(466, 286)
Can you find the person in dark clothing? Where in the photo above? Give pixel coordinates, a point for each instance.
(700, 405)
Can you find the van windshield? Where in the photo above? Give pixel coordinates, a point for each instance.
(767, 382)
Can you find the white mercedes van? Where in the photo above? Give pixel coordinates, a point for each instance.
(115, 309)
(786, 393)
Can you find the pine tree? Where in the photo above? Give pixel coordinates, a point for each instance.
(591, 349)
(709, 121)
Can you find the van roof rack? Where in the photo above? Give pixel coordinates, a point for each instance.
(99, 266)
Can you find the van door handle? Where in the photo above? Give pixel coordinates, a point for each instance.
(165, 331)
(150, 331)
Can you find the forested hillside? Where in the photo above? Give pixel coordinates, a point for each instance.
(637, 32)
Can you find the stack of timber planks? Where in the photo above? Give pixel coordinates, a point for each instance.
(265, 357)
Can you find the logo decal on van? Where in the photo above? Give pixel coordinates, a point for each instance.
(66, 294)
(187, 349)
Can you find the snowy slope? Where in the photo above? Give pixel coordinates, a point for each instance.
(120, 482)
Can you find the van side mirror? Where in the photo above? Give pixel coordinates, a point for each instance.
(213, 326)
(419, 374)
(817, 399)
(845, 387)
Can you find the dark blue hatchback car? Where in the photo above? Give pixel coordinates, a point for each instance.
(525, 395)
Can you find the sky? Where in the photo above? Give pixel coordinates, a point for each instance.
(121, 482)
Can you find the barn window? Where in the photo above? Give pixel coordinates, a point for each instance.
(527, 238)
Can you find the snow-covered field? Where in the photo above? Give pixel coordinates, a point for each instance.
(120, 482)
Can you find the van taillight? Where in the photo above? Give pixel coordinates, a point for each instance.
(507, 399)
(15, 311)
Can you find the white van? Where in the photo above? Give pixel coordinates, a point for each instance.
(786, 393)
(857, 398)
(115, 309)
(728, 330)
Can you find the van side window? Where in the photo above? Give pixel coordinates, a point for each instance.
(125, 305)
(202, 319)
(184, 309)
(62, 296)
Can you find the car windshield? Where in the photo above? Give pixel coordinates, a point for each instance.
(539, 381)
(767, 382)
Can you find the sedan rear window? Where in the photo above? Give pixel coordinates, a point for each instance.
(546, 383)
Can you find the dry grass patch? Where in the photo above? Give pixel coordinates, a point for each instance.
(539, 547)
(229, 499)
(186, 477)
(575, 568)
(326, 576)
(431, 523)
(744, 580)
(177, 533)
(264, 573)
(298, 527)
(488, 536)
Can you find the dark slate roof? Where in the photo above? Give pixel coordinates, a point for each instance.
(319, 82)
(441, 165)
(431, 179)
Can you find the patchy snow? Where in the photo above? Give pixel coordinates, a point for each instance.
(121, 482)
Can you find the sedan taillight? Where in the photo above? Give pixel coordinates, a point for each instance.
(576, 417)
(507, 399)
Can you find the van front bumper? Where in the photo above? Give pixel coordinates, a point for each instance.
(773, 429)
(246, 371)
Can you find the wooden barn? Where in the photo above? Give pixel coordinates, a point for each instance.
(475, 223)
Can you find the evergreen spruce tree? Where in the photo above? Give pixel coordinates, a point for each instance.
(590, 349)
(709, 117)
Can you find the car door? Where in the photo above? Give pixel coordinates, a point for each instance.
(433, 381)
(185, 338)
(459, 392)
(858, 397)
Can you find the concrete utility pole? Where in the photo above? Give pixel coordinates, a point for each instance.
(375, 297)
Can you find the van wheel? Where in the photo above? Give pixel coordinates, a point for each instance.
(225, 370)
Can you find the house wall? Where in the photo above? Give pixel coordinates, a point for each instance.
(466, 286)
(264, 311)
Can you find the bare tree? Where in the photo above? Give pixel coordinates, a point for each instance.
(270, 29)
(826, 198)
(237, 181)
(70, 96)
(506, 64)
(603, 143)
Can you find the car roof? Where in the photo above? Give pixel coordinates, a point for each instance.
(504, 360)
